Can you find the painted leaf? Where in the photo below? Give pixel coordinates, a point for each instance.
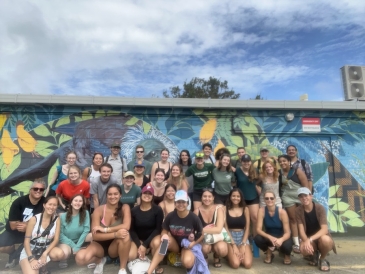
(63, 121)
(237, 140)
(332, 221)
(23, 186)
(112, 113)
(333, 201)
(42, 131)
(319, 169)
(41, 145)
(53, 170)
(198, 111)
(86, 116)
(356, 222)
(7, 170)
(100, 113)
(132, 121)
(63, 138)
(349, 214)
(341, 206)
(332, 190)
(146, 127)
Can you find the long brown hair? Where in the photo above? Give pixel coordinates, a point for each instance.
(275, 173)
(82, 211)
(181, 177)
(242, 202)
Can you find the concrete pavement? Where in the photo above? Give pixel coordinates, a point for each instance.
(350, 259)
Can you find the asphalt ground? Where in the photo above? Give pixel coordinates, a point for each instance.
(350, 258)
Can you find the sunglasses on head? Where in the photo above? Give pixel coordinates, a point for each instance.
(199, 155)
(139, 151)
(208, 189)
(36, 189)
(269, 198)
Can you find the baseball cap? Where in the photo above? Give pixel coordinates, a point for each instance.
(264, 148)
(304, 190)
(129, 173)
(246, 158)
(115, 144)
(199, 154)
(139, 163)
(148, 189)
(181, 195)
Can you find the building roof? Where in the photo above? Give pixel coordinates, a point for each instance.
(180, 102)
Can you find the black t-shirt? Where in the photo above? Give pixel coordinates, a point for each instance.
(22, 210)
(311, 221)
(145, 225)
(181, 228)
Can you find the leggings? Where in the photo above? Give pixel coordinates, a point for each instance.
(264, 243)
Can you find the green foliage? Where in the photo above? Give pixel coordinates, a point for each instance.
(7, 170)
(200, 88)
(339, 214)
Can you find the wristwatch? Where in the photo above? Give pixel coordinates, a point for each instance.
(31, 257)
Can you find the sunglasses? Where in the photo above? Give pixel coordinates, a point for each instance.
(36, 189)
(199, 155)
(269, 198)
(208, 189)
(139, 151)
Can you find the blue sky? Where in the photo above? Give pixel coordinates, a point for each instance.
(279, 49)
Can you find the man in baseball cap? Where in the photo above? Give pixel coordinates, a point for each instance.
(313, 230)
(264, 156)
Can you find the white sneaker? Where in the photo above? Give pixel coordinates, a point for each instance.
(100, 266)
(122, 271)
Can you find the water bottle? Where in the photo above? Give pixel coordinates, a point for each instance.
(256, 250)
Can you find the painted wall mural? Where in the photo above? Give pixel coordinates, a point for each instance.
(35, 139)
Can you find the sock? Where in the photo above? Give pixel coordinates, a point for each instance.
(296, 241)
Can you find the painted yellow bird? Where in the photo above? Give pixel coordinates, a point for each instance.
(9, 148)
(25, 140)
(207, 131)
(3, 117)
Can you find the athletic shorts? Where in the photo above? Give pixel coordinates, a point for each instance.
(253, 202)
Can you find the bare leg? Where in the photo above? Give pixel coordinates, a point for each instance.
(187, 258)
(26, 268)
(120, 248)
(247, 259)
(254, 209)
(92, 254)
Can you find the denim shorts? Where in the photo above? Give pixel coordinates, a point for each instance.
(237, 237)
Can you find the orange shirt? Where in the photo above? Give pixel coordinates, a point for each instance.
(67, 190)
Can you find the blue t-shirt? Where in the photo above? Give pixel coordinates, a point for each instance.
(61, 177)
(247, 187)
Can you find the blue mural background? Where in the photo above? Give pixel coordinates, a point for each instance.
(35, 139)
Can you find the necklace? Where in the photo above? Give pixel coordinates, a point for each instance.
(158, 187)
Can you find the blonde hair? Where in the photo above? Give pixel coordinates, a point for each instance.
(181, 177)
(275, 173)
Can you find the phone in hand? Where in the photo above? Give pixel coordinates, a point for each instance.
(163, 247)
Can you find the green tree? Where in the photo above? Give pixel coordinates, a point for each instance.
(201, 88)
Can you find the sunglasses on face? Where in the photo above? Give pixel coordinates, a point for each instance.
(139, 151)
(269, 198)
(36, 189)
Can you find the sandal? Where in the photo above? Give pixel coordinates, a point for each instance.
(287, 262)
(324, 263)
(296, 249)
(314, 259)
(159, 270)
(270, 261)
(217, 261)
(44, 270)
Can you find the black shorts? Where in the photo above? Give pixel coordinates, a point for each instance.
(105, 245)
(220, 199)
(9, 238)
(197, 195)
(254, 201)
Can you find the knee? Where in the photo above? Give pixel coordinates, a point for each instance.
(221, 249)
(235, 264)
(155, 243)
(206, 249)
(188, 261)
(247, 265)
(325, 240)
(80, 258)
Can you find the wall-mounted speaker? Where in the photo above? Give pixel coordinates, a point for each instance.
(353, 80)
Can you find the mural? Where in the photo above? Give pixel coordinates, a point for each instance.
(35, 139)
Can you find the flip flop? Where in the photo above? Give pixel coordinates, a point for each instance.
(217, 261)
(287, 262)
(324, 263)
(271, 258)
(315, 258)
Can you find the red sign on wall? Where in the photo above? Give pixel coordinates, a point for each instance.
(311, 124)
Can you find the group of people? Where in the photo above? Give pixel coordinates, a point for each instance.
(201, 205)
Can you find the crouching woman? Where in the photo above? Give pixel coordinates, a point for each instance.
(110, 226)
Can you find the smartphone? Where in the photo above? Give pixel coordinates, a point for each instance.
(163, 247)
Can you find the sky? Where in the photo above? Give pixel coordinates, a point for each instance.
(278, 49)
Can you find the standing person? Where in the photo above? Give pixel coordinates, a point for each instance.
(269, 178)
(202, 176)
(212, 218)
(177, 226)
(277, 230)
(238, 227)
(130, 192)
(208, 157)
(139, 158)
(264, 156)
(223, 179)
(60, 174)
(177, 177)
(168, 203)
(75, 226)
(219, 153)
(110, 225)
(146, 225)
(72, 186)
(246, 177)
(158, 185)
(99, 185)
(313, 230)
(93, 171)
(290, 180)
(21, 210)
(139, 178)
(162, 164)
(237, 162)
(185, 162)
(118, 163)
(41, 239)
(292, 152)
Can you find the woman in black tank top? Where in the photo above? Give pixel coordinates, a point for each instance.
(238, 226)
(162, 164)
(212, 218)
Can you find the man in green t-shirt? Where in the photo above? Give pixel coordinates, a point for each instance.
(202, 176)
